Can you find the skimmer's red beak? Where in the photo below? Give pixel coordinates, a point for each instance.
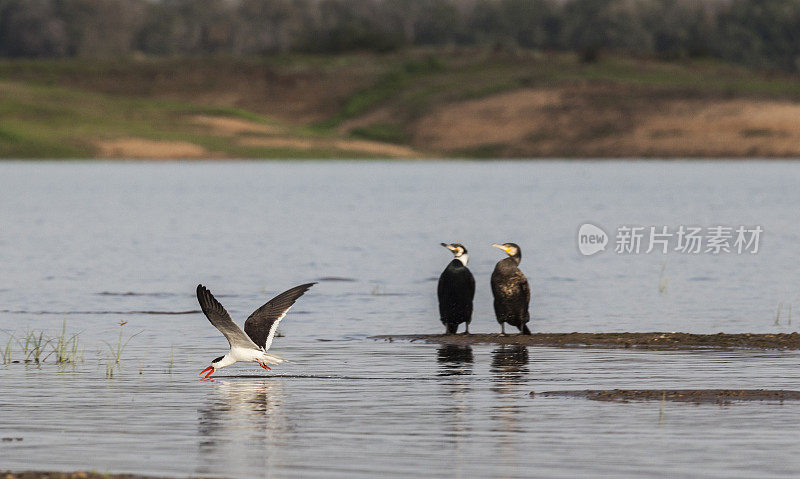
(210, 370)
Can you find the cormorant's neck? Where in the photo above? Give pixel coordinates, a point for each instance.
(516, 259)
(463, 258)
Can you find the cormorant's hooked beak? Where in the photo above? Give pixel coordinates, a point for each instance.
(505, 250)
(210, 370)
(449, 246)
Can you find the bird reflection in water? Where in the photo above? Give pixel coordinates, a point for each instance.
(454, 360)
(510, 361)
(510, 373)
(455, 368)
(240, 424)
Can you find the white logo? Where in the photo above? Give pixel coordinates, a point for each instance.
(591, 239)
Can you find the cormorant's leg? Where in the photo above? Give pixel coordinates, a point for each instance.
(466, 328)
(502, 329)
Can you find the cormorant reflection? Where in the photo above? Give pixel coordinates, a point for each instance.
(509, 370)
(510, 361)
(455, 363)
(454, 360)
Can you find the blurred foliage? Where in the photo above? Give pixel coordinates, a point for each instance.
(760, 33)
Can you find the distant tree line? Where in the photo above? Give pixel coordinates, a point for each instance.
(761, 33)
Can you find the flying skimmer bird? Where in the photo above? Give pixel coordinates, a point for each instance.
(250, 345)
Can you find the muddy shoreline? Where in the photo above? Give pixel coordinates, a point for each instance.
(655, 340)
(71, 475)
(696, 396)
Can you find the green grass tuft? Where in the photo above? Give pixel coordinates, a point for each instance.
(66, 347)
(115, 350)
(8, 349)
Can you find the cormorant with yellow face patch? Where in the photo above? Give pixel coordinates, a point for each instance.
(512, 293)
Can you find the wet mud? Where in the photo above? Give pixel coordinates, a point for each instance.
(788, 341)
(697, 396)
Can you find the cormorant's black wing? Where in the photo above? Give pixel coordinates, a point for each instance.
(441, 285)
(471, 284)
(455, 275)
(526, 290)
(262, 324)
(221, 319)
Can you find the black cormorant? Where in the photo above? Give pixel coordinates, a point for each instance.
(512, 293)
(456, 290)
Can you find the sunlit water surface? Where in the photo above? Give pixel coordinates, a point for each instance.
(91, 245)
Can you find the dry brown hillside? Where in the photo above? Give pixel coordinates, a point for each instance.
(445, 103)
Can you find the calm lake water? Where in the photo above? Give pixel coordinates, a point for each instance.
(94, 244)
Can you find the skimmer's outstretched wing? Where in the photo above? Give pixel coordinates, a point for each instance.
(222, 320)
(262, 324)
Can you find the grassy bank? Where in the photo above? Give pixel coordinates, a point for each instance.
(446, 102)
(44, 121)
